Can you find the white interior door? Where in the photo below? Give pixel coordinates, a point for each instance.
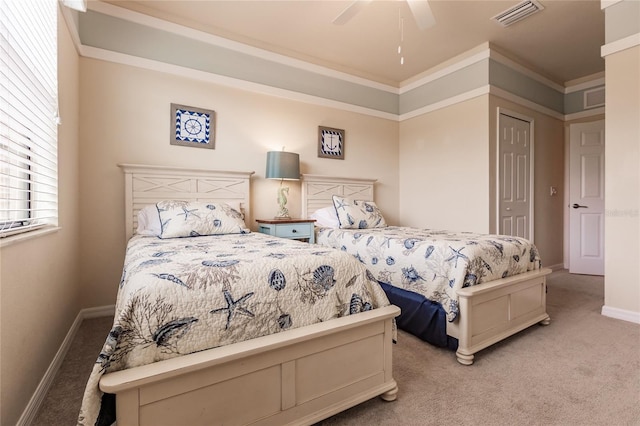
(586, 198)
(514, 176)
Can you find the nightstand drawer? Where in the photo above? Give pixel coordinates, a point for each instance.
(294, 230)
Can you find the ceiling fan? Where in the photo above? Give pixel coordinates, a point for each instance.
(419, 8)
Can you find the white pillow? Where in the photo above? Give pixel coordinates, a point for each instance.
(192, 219)
(326, 217)
(149, 221)
(358, 214)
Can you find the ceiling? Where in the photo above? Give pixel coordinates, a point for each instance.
(562, 42)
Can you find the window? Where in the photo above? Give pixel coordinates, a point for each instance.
(28, 116)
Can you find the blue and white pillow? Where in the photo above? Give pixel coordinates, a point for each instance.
(358, 214)
(193, 219)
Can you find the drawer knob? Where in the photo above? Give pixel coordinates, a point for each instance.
(293, 231)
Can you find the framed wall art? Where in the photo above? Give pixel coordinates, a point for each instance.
(330, 143)
(191, 126)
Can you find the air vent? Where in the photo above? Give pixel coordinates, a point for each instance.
(594, 98)
(518, 12)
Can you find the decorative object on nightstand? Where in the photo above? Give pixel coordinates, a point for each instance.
(330, 143)
(284, 166)
(293, 229)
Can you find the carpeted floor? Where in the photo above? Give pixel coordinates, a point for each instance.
(582, 369)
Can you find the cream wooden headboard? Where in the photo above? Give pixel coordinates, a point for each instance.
(317, 191)
(146, 185)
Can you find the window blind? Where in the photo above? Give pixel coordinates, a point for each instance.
(28, 116)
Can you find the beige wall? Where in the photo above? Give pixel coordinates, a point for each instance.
(39, 277)
(125, 119)
(444, 173)
(447, 171)
(548, 145)
(622, 181)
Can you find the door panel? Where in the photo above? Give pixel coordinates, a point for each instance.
(586, 195)
(514, 152)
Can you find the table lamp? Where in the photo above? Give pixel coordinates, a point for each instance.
(284, 166)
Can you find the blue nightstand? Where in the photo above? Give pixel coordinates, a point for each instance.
(293, 229)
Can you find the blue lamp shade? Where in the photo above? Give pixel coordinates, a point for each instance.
(283, 165)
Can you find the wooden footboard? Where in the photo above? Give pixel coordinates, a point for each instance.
(299, 376)
(493, 311)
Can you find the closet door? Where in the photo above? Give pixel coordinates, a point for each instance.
(515, 204)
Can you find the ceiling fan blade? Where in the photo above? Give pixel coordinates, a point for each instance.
(422, 13)
(350, 11)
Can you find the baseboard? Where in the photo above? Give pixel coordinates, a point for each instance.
(621, 314)
(30, 412)
(98, 312)
(556, 267)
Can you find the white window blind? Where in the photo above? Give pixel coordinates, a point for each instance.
(28, 115)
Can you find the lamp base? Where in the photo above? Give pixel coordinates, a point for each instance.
(282, 214)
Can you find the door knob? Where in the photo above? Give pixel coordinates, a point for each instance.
(578, 206)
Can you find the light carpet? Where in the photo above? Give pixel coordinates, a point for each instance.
(582, 369)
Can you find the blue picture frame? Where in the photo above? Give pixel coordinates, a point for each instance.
(191, 126)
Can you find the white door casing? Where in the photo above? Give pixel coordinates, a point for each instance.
(586, 198)
(515, 175)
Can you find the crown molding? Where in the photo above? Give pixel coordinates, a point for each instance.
(159, 24)
(135, 61)
(525, 103)
(597, 81)
(620, 45)
(607, 3)
(445, 103)
(478, 54)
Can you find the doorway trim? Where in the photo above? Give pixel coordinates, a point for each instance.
(531, 121)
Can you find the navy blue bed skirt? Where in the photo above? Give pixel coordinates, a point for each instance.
(421, 317)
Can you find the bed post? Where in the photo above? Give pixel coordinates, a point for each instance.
(464, 356)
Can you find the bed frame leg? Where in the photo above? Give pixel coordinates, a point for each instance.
(390, 395)
(545, 321)
(464, 359)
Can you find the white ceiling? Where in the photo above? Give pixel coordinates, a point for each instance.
(562, 42)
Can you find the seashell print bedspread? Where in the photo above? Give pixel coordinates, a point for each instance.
(434, 263)
(184, 295)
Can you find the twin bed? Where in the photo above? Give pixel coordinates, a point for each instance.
(329, 350)
(456, 290)
(269, 331)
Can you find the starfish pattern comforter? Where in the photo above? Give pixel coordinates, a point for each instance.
(433, 263)
(183, 295)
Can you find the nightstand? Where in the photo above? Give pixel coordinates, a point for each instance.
(293, 229)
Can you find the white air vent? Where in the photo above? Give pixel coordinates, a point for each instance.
(518, 12)
(594, 98)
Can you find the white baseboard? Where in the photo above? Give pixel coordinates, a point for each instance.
(556, 267)
(98, 312)
(30, 412)
(621, 314)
